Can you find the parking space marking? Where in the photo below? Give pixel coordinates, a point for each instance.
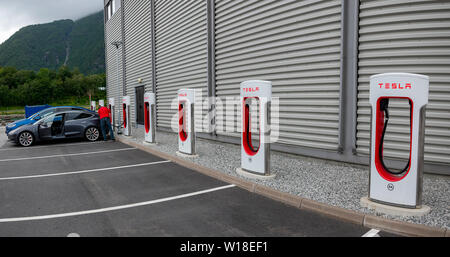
(67, 155)
(84, 171)
(372, 233)
(48, 146)
(121, 207)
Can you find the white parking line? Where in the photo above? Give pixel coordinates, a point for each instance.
(66, 155)
(48, 146)
(121, 207)
(372, 233)
(83, 171)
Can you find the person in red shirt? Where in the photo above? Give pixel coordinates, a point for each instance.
(105, 123)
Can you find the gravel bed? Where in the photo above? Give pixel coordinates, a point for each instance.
(333, 183)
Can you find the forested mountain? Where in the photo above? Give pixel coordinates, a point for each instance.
(87, 45)
(77, 44)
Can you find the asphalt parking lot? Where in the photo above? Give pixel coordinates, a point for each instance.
(112, 189)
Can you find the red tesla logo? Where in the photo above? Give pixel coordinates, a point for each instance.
(251, 89)
(182, 95)
(395, 85)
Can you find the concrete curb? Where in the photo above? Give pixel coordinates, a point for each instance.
(369, 221)
(285, 198)
(332, 211)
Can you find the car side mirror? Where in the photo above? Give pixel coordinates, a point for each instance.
(37, 117)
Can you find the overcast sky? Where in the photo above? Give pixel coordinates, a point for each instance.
(15, 14)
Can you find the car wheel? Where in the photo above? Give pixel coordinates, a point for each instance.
(26, 139)
(92, 134)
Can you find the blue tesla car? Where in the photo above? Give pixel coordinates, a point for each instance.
(42, 114)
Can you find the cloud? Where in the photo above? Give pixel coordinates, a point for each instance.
(20, 13)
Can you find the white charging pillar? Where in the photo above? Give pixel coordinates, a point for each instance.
(397, 188)
(112, 109)
(101, 103)
(255, 100)
(186, 125)
(93, 106)
(150, 117)
(126, 102)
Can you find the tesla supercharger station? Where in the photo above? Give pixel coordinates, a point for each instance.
(93, 106)
(112, 109)
(126, 102)
(101, 103)
(256, 98)
(150, 117)
(186, 125)
(399, 188)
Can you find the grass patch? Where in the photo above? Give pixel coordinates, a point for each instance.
(10, 110)
(17, 110)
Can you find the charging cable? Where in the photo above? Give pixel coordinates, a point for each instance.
(384, 106)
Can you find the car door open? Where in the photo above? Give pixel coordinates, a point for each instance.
(51, 127)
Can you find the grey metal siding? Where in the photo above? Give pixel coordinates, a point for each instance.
(407, 36)
(181, 54)
(113, 32)
(294, 44)
(138, 48)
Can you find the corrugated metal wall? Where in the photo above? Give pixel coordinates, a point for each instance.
(138, 48)
(294, 44)
(113, 32)
(407, 36)
(181, 54)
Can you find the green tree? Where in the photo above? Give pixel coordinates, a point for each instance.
(91, 85)
(74, 86)
(63, 73)
(4, 95)
(25, 96)
(19, 87)
(8, 76)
